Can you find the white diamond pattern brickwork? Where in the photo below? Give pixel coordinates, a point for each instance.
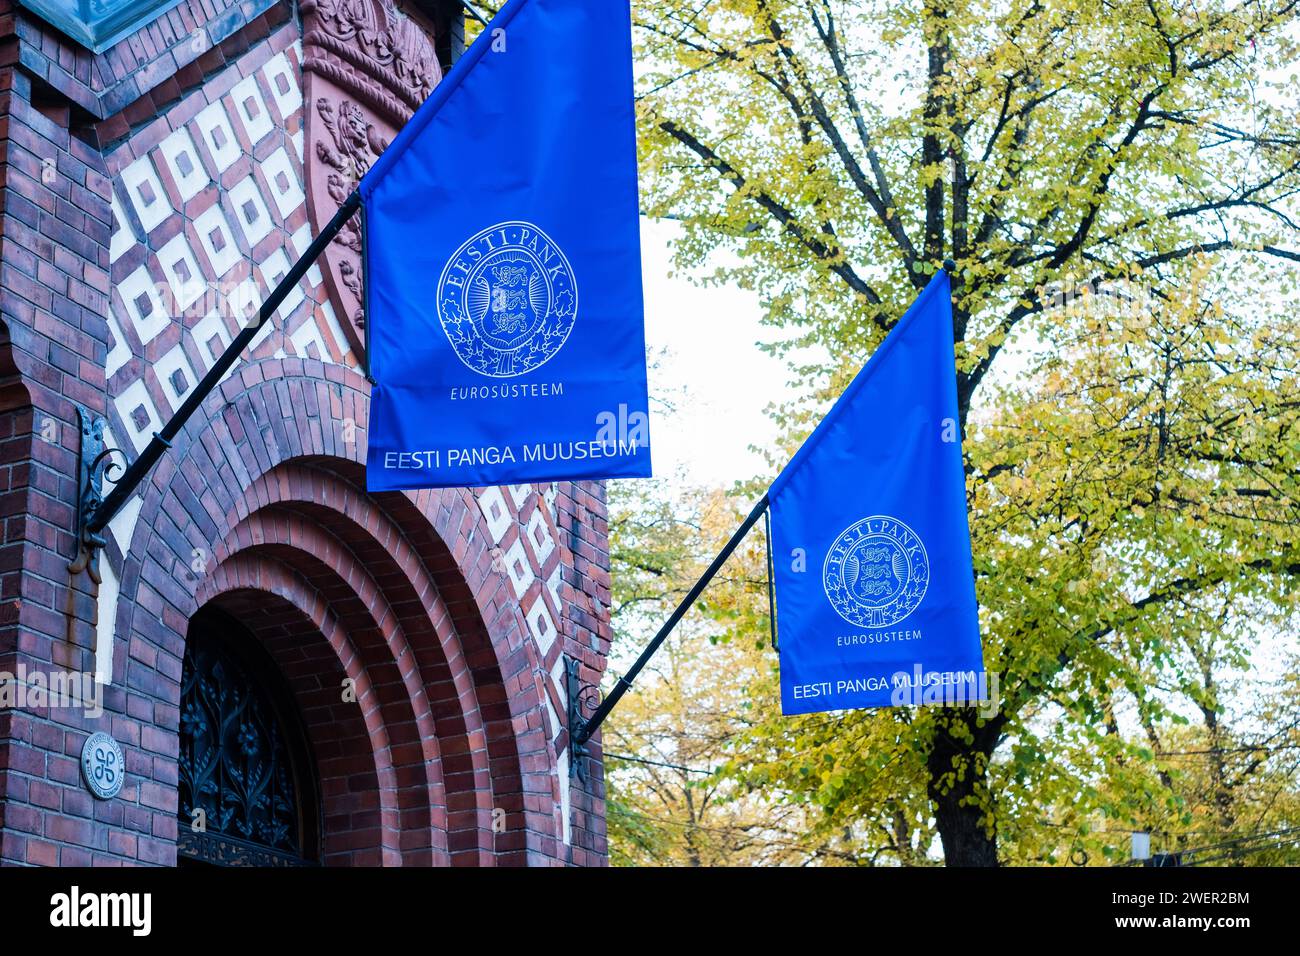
(206, 222)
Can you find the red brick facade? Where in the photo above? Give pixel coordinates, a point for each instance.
(172, 162)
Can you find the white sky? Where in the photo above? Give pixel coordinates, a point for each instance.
(708, 367)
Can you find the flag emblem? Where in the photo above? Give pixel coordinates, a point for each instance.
(507, 300)
(876, 572)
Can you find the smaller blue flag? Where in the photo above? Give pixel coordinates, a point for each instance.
(875, 591)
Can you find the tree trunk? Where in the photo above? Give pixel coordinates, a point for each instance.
(958, 815)
(961, 830)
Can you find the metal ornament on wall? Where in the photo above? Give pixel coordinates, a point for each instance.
(103, 766)
(94, 464)
(583, 699)
(368, 65)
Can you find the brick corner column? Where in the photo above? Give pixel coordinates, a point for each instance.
(55, 217)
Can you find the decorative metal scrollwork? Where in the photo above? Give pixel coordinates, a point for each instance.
(583, 699)
(95, 464)
(238, 798)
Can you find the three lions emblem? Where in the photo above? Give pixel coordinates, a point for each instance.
(507, 300)
(876, 572)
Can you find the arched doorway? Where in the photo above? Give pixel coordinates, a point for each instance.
(425, 689)
(248, 788)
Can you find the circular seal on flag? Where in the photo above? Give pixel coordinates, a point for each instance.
(876, 572)
(507, 300)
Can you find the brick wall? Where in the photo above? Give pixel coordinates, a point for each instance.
(171, 163)
(54, 283)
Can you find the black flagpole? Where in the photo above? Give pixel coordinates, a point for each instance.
(581, 729)
(771, 576)
(99, 513)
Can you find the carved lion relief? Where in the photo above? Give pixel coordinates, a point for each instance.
(368, 66)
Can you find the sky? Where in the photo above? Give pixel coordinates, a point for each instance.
(708, 367)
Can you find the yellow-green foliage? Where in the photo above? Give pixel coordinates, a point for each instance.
(1115, 182)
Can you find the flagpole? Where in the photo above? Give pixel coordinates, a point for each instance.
(469, 8)
(581, 730)
(100, 513)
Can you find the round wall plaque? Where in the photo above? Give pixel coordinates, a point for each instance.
(103, 765)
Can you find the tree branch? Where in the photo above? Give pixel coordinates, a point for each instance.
(830, 258)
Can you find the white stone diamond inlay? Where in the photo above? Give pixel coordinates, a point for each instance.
(138, 413)
(286, 191)
(145, 190)
(183, 275)
(177, 377)
(120, 353)
(144, 306)
(122, 240)
(251, 110)
(495, 511)
(518, 569)
(284, 85)
(249, 210)
(218, 135)
(184, 164)
(541, 626)
(216, 240)
(212, 336)
(539, 537)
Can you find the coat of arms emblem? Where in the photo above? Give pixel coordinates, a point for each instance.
(368, 65)
(507, 300)
(876, 572)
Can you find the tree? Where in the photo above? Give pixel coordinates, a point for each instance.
(1110, 179)
(666, 743)
(1234, 773)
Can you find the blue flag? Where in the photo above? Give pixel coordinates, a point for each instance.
(503, 263)
(875, 593)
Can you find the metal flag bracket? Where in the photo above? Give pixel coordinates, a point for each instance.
(580, 696)
(94, 462)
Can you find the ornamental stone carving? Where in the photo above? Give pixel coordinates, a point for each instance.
(368, 65)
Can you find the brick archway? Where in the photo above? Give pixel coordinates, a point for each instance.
(260, 510)
(369, 779)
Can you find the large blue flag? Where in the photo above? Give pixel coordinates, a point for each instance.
(503, 263)
(875, 594)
